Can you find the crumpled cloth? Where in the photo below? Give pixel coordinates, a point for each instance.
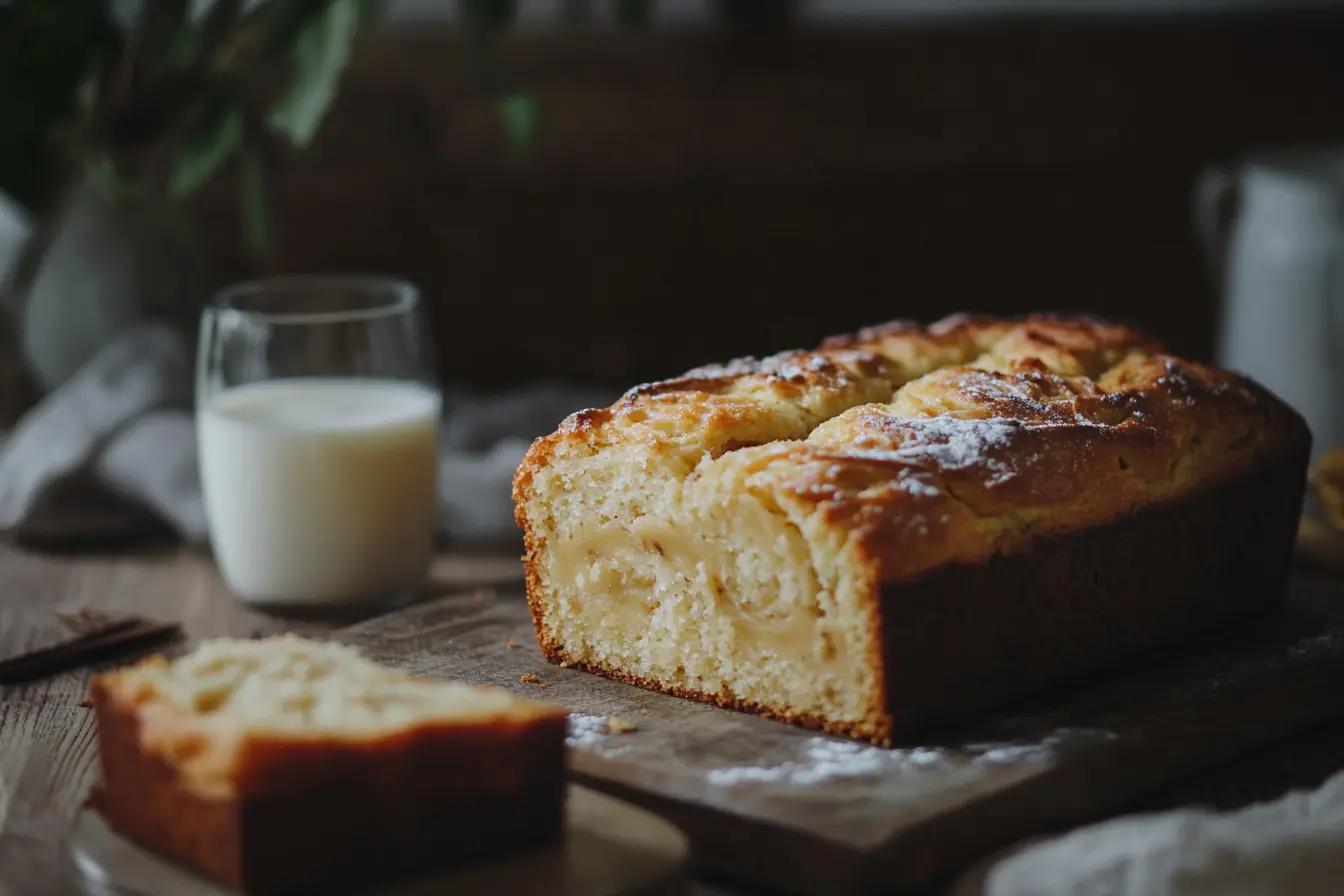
(112, 452)
(1293, 846)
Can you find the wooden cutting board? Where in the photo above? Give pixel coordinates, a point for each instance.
(767, 803)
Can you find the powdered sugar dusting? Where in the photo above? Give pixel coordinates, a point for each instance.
(944, 443)
(605, 735)
(826, 759)
(586, 730)
(823, 759)
(796, 367)
(1041, 750)
(918, 487)
(954, 443)
(963, 438)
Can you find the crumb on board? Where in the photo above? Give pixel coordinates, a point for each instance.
(529, 678)
(85, 704)
(620, 726)
(511, 643)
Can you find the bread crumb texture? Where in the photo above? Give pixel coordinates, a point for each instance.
(726, 534)
(296, 687)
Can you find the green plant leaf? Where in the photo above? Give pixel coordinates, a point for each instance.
(204, 151)
(256, 201)
(517, 112)
(320, 55)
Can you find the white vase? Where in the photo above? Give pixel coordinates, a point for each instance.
(94, 269)
(1275, 229)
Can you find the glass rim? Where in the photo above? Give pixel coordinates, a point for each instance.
(389, 297)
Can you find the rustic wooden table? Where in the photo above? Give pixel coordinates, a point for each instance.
(47, 747)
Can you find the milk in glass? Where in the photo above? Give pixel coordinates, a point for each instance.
(321, 490)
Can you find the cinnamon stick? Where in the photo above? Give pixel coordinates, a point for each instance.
(103, 642)
(86, 627)
(88, 622)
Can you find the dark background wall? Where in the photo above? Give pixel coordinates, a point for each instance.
(698, 194)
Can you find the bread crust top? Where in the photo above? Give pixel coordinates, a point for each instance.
(947, 443)
(229, 716)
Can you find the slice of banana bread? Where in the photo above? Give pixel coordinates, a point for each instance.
(285, 765)
(911, 524)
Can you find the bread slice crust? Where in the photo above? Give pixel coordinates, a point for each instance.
(288, 811)
(888, 465)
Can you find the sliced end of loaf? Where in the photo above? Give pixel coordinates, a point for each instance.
(679, 578)
(206, 712)
(285, 765)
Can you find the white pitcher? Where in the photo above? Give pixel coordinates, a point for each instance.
(1274, 230)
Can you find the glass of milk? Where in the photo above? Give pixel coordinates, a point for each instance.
(317, 423)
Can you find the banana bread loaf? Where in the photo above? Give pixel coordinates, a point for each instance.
(910, 524)
(291, 766)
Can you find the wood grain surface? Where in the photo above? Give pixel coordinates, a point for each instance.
(47, 752)
(47, 749)
(775, 805)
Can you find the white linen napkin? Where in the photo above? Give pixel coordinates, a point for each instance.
(1293, 846)
(113, 451)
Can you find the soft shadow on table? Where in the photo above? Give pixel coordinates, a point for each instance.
(452, 573)
(147, 543)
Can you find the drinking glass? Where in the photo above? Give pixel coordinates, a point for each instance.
(317, 424)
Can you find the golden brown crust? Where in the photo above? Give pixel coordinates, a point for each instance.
(934, 447)
(987, 433)
(141, 796)
(304, 815)
(968, 639)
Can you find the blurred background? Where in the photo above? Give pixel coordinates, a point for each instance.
(600, 193)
